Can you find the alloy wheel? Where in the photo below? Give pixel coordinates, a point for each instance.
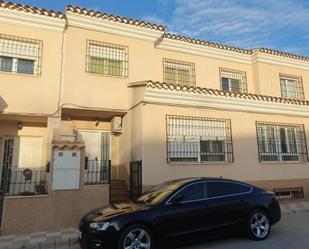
(259, 225)
(137, 239)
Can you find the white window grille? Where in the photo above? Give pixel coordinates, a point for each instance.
(178, 72)
(233, 81)
(291, 87)
(198, 140)
(20, 55)
(281, 142)
(107, 59)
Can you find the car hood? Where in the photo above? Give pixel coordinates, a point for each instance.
(113, 210)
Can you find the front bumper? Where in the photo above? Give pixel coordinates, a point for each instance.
(98, 239)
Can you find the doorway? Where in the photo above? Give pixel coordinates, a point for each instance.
(97, 155)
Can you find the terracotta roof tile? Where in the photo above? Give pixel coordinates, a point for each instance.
(109, 17)
(216, 92)
(235, 49)
(31, 9)
(206, 43)
(281, 53)
(143, 24)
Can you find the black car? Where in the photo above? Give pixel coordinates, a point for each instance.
(177, 208)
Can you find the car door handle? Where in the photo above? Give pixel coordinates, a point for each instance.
(206, 206)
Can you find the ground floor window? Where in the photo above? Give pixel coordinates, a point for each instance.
(281, 142)
(198, 140)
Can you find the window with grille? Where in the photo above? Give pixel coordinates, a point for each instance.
(20, 55)
(281, 142)
(198, 140)
(291, 87)
(233, 81)
(107, 59)
(178, 72)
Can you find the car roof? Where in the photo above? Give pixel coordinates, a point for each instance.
(195, 179)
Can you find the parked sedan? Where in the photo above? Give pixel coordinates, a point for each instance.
(181, 207)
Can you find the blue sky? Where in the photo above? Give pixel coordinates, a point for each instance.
(277, 24)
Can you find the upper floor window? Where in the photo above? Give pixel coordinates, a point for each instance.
(107, 59)
(233, 80)
(20, 55)
(178, 72)
(198, 140)
(291, 87)
(281, 142)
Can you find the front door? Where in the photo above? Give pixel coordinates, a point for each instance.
(97, 154)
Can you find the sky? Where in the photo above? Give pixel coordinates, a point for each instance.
(276, 24)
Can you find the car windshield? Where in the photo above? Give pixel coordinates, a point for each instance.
(158, 193)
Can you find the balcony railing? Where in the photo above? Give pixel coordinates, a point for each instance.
(25, 182)
(97, 172)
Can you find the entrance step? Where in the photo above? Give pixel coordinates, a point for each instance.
(119, 191)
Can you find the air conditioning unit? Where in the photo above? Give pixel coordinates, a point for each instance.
(117, 124)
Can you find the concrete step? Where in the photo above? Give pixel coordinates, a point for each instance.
(119, 191)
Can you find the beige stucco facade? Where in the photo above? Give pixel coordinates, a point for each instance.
(65, 99)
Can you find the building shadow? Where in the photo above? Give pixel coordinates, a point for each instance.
(3, 104)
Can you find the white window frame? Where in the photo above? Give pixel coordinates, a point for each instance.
(16, 48)
(277, 135)
(286, 87)
(195, 136)
(96, 49)
(177, 66)
(228, 74)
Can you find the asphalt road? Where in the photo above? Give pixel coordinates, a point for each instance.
(292, 232)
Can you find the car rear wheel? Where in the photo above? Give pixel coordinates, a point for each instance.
(258, 226)
(136, 237)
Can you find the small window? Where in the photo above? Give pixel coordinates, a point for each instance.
(25, 66)
(6, 64)
(193, 192)
(233, 81)
(20, 55)
(178, 72)
(107, 59)
(291, 87)
(217, 189)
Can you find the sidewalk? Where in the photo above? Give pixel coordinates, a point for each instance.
(66, 238)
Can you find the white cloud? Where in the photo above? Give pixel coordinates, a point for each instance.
(255, 23)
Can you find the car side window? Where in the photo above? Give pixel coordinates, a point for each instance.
(193, 192)
(217, 189)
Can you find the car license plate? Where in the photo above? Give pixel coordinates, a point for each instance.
(79, 234)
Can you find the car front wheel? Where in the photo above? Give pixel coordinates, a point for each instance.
(136, 237)
(258, 226)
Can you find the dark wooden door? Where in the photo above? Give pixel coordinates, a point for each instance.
(135, 179)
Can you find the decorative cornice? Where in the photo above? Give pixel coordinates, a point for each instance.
(206, 43)
(281, 53)
(107, 26)
(224, 52)
(200, 49)
(168, 94)
(110, 17)
(21, 14)
(31, 9)
(31, 16)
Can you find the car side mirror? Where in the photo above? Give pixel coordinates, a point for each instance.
(178, 198)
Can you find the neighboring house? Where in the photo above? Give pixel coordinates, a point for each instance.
(120, 90)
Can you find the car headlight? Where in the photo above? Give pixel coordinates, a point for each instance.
(99, 226)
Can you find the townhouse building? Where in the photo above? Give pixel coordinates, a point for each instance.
(86, 97)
